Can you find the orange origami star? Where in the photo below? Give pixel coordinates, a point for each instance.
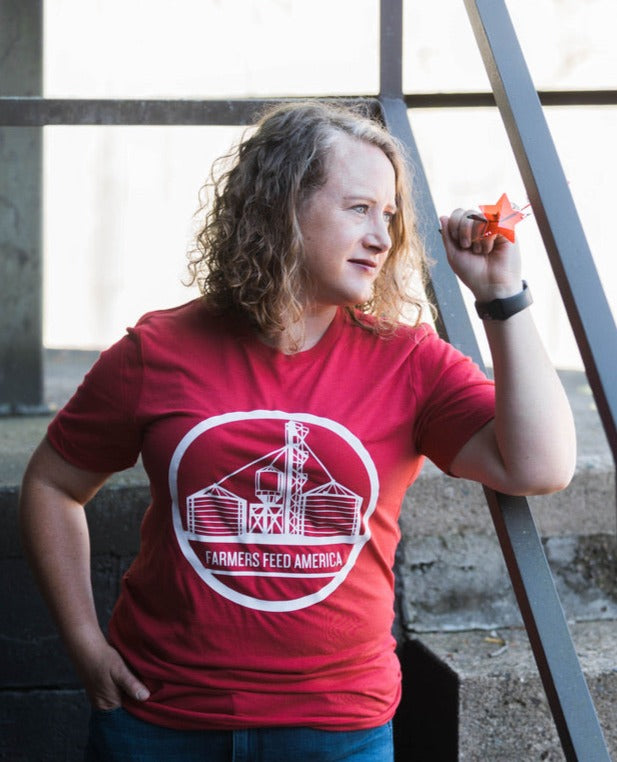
(500, 218)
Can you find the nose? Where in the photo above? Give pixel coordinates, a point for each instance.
(378, 238)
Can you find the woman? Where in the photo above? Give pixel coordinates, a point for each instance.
(281, 418)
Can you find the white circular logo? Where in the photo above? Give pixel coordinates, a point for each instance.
(272, 509)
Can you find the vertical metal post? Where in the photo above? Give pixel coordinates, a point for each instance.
(21, 361)
(391, 48)
(551, 200)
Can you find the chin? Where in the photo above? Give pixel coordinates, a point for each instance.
(358, 296)
(348, 297)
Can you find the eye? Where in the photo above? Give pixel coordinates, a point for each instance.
(360, 208)
(388, 217)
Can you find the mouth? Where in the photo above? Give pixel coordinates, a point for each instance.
(367, 264)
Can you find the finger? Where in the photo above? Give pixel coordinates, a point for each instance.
(491, 242)
(103, 693)
(455, 221)
(106, 700)
(480, 231)
(127, 683)
(451, 246)
(467, 227)
(484, 245)
(443, 225)
(496, 243)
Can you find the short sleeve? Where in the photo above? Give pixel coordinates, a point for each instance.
(455, 399)
(98, 429)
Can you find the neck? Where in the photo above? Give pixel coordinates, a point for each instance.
(305, 333)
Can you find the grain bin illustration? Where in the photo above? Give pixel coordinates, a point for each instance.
(280, 509)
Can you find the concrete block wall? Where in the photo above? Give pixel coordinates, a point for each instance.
(44, 711)
(471, 689)
(501, 709)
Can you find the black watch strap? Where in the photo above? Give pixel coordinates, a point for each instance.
(502, 309)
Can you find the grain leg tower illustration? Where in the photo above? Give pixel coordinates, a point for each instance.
(279, 509)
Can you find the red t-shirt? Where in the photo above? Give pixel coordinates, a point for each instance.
(262, 593)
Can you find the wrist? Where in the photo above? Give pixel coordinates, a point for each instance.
(85, 642)
(498, 291)
(502, 308)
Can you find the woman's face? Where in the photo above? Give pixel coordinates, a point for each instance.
(345, 224)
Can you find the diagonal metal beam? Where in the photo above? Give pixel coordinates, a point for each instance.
(444, 291)
(568, 696)
(558, 665)
(547, 189)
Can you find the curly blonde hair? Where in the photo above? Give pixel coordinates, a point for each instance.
(249, 254)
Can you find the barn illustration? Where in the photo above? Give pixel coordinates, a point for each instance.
(280, 505)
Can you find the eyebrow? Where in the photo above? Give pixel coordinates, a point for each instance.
(366, 197)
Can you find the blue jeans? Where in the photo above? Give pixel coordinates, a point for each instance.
(118, 736)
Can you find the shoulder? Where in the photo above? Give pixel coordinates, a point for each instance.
(429, 359)
(395, 337)
(195, 318)
(186, 314)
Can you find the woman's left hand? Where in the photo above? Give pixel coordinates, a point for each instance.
(489, 265)
(530, 446)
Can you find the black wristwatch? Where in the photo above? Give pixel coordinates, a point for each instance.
(502, 309)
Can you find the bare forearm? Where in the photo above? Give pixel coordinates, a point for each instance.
(55, 537)
(534, 428)
(530, 447)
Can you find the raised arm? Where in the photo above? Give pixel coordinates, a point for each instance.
(530, 446)
(55, 537)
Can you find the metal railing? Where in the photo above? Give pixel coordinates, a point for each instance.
(567, 692)
(520, 106)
